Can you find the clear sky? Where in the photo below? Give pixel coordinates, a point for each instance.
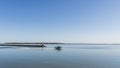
(95, 21)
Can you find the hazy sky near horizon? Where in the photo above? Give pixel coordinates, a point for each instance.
(60, 20)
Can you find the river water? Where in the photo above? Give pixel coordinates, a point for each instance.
(70, 56)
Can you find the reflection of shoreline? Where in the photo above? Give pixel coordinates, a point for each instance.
(2, 47)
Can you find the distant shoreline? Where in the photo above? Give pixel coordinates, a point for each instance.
(38, 43)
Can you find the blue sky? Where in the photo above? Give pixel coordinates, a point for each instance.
(94, 21)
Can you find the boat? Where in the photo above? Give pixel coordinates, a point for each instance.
(58, 47)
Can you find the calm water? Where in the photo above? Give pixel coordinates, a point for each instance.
(71, 56)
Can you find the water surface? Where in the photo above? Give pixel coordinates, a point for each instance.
(71, 56)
